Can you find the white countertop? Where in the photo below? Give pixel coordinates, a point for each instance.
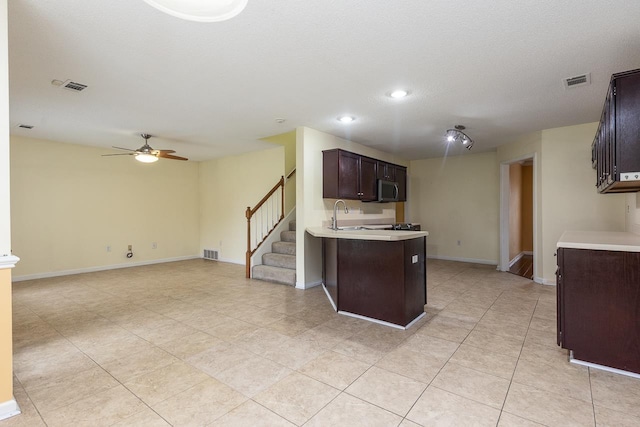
(600, 240)
(386, 235)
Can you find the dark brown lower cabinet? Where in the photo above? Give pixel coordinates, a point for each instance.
(384, 280)
(599, 306)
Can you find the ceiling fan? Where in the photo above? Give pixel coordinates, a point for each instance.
(146, 154)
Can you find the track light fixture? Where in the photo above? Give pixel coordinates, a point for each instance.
(457, 135)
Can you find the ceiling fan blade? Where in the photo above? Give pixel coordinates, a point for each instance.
(165, 151)
(170, 156)
(119, 154)
(126, 149)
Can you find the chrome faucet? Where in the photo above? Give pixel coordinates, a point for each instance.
(334, 219)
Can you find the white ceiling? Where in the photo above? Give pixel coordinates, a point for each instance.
(210, 90)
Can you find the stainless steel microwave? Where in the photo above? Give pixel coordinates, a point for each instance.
(387, 191)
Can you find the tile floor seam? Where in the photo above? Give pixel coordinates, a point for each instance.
(593, 404)
(429, 385)
(516, 368)
(273, 412)
(32, 403)
(376, 405)
(144, 403)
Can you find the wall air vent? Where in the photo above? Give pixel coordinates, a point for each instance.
(74, 86)
(210, 254)
(25, 126)
(582, 80)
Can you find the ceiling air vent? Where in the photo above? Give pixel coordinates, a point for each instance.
(25, 126)
(582, 80)
(74, 86)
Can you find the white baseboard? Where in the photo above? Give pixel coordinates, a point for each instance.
(516, 259)
(9, 409)
(231, 261)
(99, 268)
(519, 256)
(309, 285)
(472, 260)
(543, 281)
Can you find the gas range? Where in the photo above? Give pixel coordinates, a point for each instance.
(407, 226)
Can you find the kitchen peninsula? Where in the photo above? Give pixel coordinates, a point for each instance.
(379, 275)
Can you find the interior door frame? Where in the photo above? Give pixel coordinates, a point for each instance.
(504, 213)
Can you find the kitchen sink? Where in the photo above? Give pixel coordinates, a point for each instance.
(353, 228)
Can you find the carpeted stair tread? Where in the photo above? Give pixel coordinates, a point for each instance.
(269, 273)
(279, 260)
(288, 236)
(288, 248)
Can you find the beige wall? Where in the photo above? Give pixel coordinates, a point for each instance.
(5, 189)
(632, 213)
(288, 141)
(515, 210)
(68, 204)
(227, 187)
(312, 210)
(526, 231)
(569, 197)
(457, 199)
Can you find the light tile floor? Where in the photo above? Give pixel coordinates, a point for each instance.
(194, 343)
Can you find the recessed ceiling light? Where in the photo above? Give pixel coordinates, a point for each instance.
(200, 10)
(346, 119)
(280, 120)
(399, 93)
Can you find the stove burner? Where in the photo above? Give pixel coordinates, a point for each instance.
(403, 226)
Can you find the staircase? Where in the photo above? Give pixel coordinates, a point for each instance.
(279, 266)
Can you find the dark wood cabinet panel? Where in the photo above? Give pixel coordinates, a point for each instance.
(368, 182)
(599, 306)
(616, 146)
(347, 175)
(401, 179)
(377, 279)
(386, 171)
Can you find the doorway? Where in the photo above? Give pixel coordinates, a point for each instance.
(517, 217)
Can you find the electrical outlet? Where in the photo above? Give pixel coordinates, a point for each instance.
(130, 247)
(108, 248)
(154, 245)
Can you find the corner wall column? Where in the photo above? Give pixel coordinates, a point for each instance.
(8, 405)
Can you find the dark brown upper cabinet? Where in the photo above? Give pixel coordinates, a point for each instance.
(347, 175)
(615, 152)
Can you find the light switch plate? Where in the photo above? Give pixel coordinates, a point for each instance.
(414, 259)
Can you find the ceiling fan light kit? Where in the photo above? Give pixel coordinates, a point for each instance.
(200, 10)
(146, 154)
(145, 158)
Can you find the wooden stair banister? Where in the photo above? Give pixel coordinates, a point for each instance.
(250, 213)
